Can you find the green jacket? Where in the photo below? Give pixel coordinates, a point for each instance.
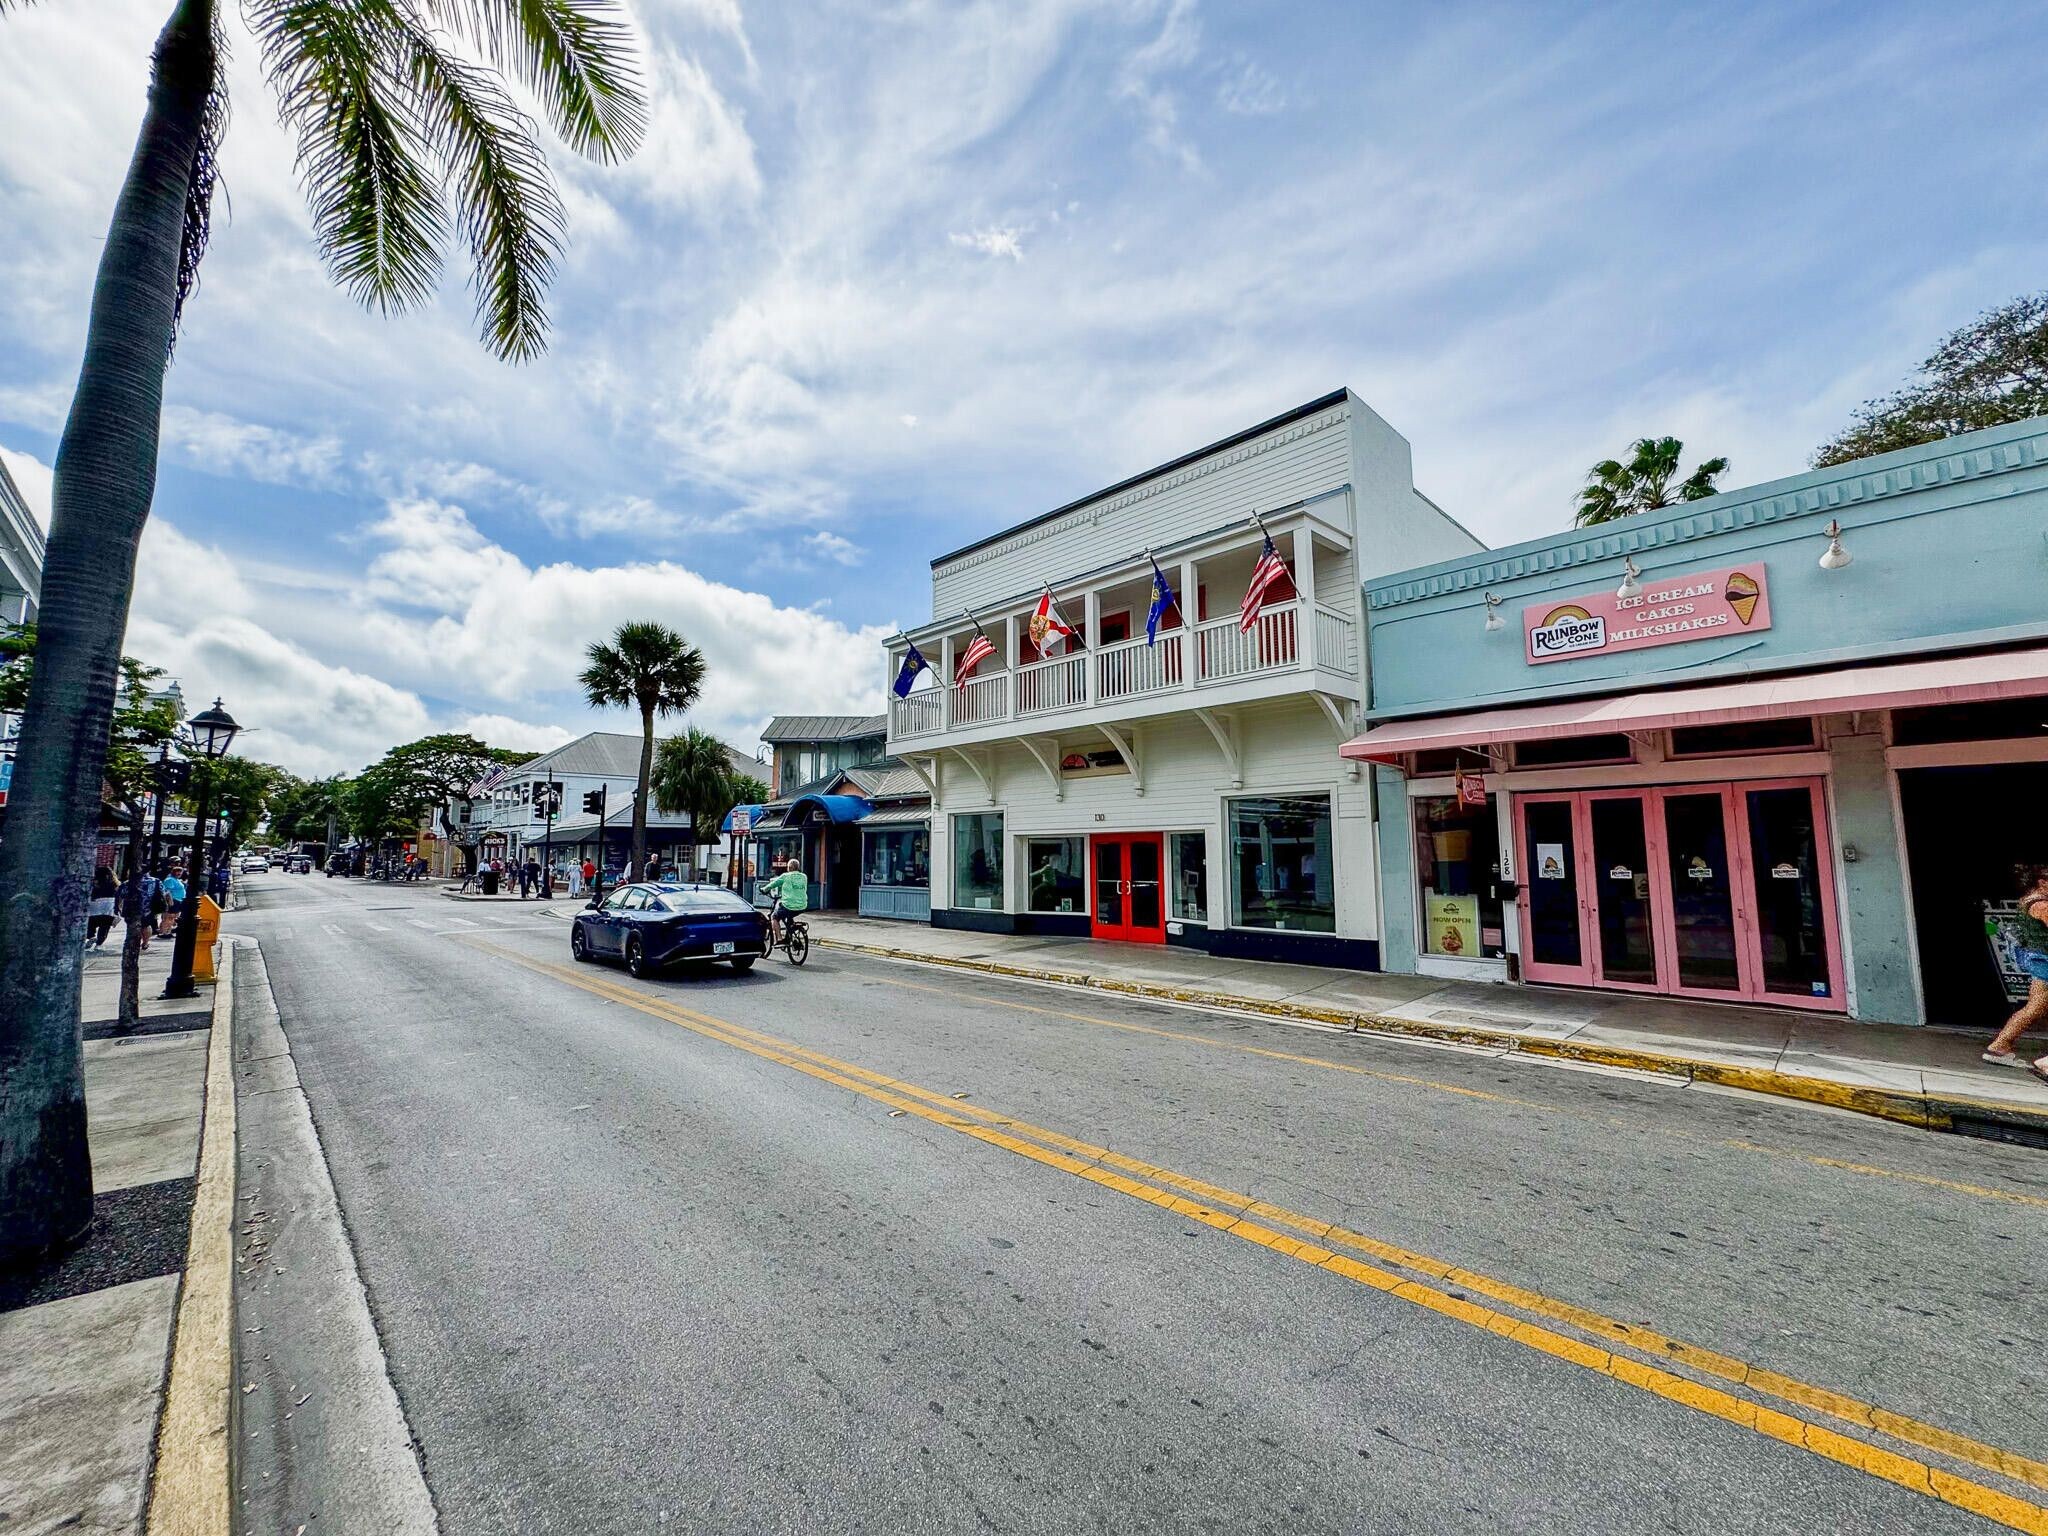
(792, 888)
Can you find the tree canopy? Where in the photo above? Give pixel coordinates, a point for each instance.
(1616, 488)
(1991, 371)
(693, 773)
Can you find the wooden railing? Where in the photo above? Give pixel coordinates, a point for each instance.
(922, 714)
(1045, 686)
(1131, 667)
(983, 700)
(1336, 647)
(1273, 642)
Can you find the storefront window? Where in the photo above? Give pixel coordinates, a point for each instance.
(900, 856)
(1190, 900)
(978, 861)
(1058, 874)
(782, 845)
(1280, 863)
(1457, 861)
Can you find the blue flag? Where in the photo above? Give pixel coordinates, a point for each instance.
(913, 663)
(1162, 599)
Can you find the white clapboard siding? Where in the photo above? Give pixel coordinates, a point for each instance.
(1287, 746)
(1290, 464)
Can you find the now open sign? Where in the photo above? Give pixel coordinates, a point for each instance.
(1669, 610)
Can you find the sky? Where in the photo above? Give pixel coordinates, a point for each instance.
(888, 275)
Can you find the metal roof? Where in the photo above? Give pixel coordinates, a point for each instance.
(824, 727)
(897, 816)
(888, 780)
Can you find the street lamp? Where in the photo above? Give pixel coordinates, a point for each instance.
(210, 731)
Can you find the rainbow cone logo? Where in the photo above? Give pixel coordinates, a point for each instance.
(1742, 593)
(1565, 629)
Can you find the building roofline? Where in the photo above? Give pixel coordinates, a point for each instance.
(1322, 403)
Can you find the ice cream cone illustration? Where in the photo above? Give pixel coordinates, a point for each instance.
(1742, 593)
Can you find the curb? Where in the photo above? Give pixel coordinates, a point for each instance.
(1987, 1118)
(189, 1491)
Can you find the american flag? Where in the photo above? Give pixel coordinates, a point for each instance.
(978, 649)
(1269, 570)
(488, 782)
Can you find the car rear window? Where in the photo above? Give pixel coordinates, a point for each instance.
(703, 903)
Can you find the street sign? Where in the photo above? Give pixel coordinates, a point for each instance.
(742, 819)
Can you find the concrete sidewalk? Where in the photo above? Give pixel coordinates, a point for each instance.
(85, 1342)
(1926, 1077)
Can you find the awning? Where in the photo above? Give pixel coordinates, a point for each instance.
(838, 808)
(897, 816)
(753, 816)
(1886, 685)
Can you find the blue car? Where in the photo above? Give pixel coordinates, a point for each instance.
(651, 927)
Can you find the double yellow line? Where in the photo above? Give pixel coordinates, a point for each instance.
(1409, 1276)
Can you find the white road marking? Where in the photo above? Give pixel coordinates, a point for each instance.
(510, 922)
(421, 922)
(461, 922)
(335, 929)
(376, 928)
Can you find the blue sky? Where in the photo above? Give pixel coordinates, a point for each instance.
(887, 276)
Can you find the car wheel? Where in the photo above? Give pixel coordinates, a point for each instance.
(579, 946)
(744, 964)
(636, 957)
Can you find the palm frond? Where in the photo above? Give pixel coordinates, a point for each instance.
(505, 199)
(337, 69)
(577, 56)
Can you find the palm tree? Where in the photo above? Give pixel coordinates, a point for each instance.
(652, 668)
(693, 773)
(1614, 489)
(399, 134)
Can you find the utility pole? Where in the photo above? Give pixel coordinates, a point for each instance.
(547, 842)
(594, 805)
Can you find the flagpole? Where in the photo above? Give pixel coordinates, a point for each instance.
(1175, 596)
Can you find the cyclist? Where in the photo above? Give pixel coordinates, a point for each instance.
(791, 893)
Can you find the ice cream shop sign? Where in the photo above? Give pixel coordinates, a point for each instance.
(1667, 611)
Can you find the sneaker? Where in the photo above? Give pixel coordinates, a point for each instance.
(2003, 1058)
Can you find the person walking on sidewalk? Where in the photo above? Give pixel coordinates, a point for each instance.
(529, 877)
(172, 889)
(99, 912)
(2032, 954)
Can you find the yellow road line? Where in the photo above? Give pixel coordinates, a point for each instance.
(1866, 1170)
(1087, 1162)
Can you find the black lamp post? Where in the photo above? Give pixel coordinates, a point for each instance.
(211, 731)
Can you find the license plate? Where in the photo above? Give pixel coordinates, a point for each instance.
(721, 949)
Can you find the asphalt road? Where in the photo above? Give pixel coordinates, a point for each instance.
(875, 1247)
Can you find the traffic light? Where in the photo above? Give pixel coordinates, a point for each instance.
(593, 803)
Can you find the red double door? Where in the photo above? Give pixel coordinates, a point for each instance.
(1704, 890)
(1127, 870)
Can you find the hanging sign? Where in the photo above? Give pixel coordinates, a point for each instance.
(1471, 789)
(1668, 611)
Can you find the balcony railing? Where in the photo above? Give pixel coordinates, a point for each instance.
(1273, 642)
(1212, 652)
(1131, 667)
(1044, 686)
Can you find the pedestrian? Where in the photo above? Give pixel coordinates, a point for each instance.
(138, 898)
(171, 890)
(99, 911)
(529, 877)
(468, 876)
(2031, 952)
(217, 883)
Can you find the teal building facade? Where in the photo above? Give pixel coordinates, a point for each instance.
(1785, 746)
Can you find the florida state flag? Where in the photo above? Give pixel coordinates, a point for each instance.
(1049, 632)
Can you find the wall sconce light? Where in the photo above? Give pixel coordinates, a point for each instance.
(1834, 557)
(1631, 582)
(1494, 622)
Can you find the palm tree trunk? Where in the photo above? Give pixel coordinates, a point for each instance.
(105, 480)
(640, 799)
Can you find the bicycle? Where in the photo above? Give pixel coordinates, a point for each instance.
(795, 941)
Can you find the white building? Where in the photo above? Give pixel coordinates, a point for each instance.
(1184, 789)
(21, 586)
(511, 820)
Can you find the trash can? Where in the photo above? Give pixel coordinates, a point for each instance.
(490, 882)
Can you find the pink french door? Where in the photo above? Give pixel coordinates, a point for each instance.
(1711, 890)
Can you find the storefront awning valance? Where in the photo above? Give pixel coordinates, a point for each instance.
(1884, 685)
(838, 808)
(898, 816)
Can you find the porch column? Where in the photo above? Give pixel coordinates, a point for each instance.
(946, 677)
(1091, 635)
(1010, 659)
(1305, 586)
(1190, 595)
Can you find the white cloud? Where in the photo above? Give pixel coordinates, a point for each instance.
(696, 155)
(1176, 45)
(226, 445)
(518, 735)
(831, 546)
(1249, 91)
(32, 477)
(996, 240)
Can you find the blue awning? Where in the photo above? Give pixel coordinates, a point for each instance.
(838, 808)
(753, 815)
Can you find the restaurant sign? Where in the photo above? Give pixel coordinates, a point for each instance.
(1668, 611)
